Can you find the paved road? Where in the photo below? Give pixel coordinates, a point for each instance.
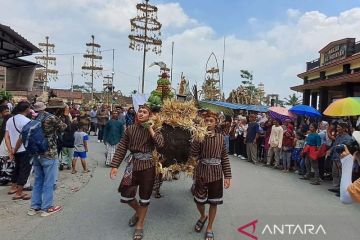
(258, 193)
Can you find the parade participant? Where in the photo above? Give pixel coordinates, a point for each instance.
(113, 132)
(213, 165)
(140, 140)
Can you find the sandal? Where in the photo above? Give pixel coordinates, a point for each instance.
(138, 234)
(200, 225)
(73, 172)
(133, 220)
(158, 195)
(209, 236)
(22, 197)
(12, 192)
(86, 171)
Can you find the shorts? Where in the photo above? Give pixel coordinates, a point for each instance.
(80, 155)
(211, 193)
(145, 180)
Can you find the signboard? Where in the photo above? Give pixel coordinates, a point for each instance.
(335, 54)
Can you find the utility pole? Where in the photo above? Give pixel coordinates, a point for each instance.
(108, 88)
(43, 75)
(72, 79)
(90, 66)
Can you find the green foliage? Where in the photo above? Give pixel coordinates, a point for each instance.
(5, 95)
(163, 81)
(292, 100)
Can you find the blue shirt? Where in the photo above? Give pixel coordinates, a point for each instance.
(253, 129)
(313, 139)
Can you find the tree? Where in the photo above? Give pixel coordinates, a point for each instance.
(292, 100)
(5, 95)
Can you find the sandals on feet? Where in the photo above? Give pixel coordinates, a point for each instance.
(138, 234)
(22, 197)
(209, 236)
(133, 221)
(12, 192)
(200, 225)
(158, 195)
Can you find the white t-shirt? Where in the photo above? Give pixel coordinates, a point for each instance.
(20, 122)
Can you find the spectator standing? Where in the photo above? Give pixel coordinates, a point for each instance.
(252, 135)
(102, 118)
(130, 117)
(6, 164)
(93, 121)
(232, 137)
(287, 145)
(46, 165)
(310, 152)
(22, 169)
(67, 140)
(80, 149)
(113, 132)
(121, 114)
(275, 142)
(299, 163)
(240, 140)
(342, 137)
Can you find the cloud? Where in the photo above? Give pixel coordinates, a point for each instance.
(252, 20)
(275, 55)
(293, 13)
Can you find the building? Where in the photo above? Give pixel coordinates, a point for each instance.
(334, 75)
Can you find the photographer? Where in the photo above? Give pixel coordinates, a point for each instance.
(349, 191)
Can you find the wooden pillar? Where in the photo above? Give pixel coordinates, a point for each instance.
(306, 97)
(323, 99)
(314, 99)
(348, 90)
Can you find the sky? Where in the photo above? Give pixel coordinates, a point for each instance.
(272, 39)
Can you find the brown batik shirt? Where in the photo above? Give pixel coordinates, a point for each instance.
(211, 147)
(137, 139)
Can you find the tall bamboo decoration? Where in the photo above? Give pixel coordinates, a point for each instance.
(145, 32)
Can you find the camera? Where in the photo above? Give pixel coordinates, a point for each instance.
(352, 146)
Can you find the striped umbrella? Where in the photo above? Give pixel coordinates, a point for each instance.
(281, 113)
(344, 107)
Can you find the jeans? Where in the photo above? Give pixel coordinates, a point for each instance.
(45, 171)
(101, 132)
(286, 157)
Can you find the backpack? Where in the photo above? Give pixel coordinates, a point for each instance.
(33, 136)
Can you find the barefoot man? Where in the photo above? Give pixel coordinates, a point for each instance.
(140, 140)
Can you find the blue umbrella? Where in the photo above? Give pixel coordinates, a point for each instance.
(304, 110)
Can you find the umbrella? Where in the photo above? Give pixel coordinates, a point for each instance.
(344, 107)
(305, 110)
(280, 113)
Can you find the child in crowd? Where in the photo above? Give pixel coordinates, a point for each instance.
(299, 162)
(80, 148)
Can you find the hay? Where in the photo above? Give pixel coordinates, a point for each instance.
(175, 115)
(183, 115)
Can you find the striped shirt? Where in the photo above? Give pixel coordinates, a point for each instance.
(137, 139)
(211, 147)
